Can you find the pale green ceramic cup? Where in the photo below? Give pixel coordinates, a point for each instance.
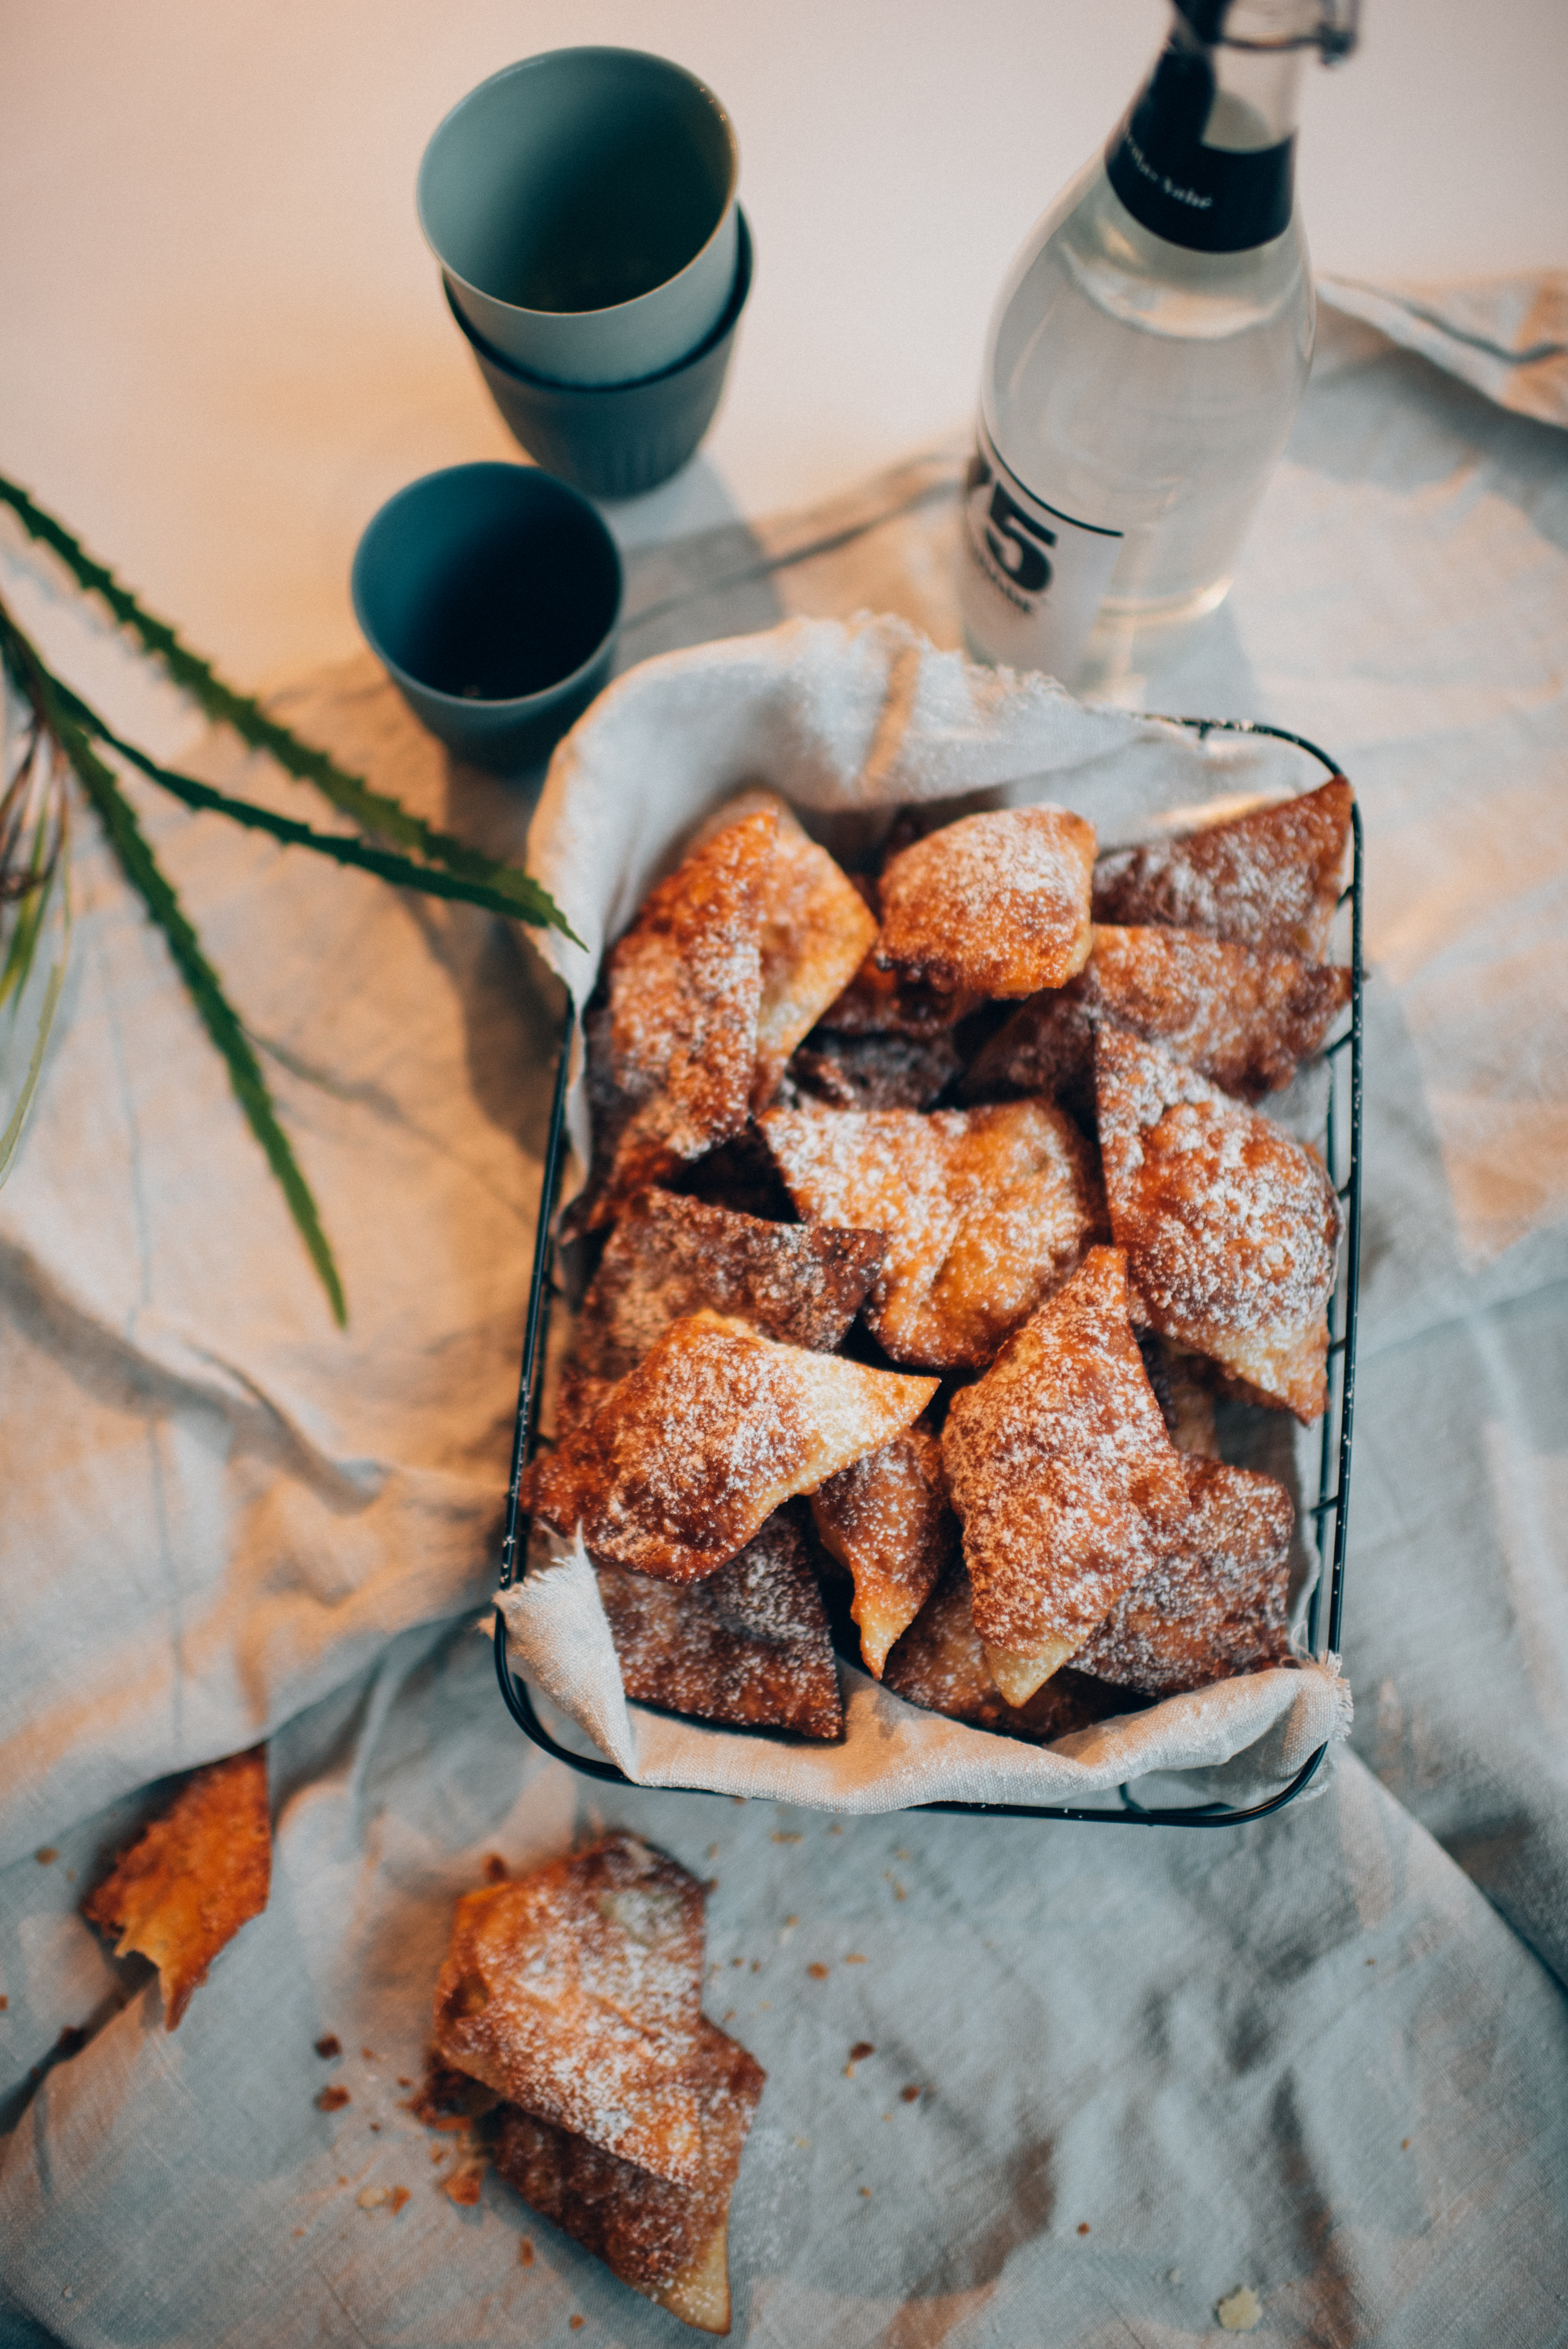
(582, 205)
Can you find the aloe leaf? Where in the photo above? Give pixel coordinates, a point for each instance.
(375, 811)
(401, 871)
(141, 869)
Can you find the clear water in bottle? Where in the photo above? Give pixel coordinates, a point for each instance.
(1139, 387)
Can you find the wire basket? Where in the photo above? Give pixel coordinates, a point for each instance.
(1328, 1513)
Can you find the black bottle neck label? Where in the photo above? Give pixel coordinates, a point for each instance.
(1212, 199)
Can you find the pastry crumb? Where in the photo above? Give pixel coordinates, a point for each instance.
(46, 1855)
(860, 2050)
(909, 2095)
(783, 1838)
(332, 2100)
(817, 1972)
(1083, 2225)
(329, 2046)
(525, 2253)
(854, 1958)
(1242, 2313)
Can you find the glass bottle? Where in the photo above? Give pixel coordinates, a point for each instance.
(1147, 352)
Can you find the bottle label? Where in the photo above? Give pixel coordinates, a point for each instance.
(1045, 573)
(1209, 198)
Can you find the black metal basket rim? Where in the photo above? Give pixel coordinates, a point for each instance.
(515, 1693)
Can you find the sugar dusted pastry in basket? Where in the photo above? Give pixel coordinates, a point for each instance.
(574, 1996)
(1268, 879)
(1066, 1481)
(1241, 1015)
(984, 1210)
(887, 1519)
(673, 1056)
(940, 1663)
(1215, 1604)
(817, 930)
(667, 1256)
(688, 1455)
(750, 1646)
(997, 905)
(1231, 1226)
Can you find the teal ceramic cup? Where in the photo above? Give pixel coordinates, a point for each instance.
(490, 595)
(582, 207)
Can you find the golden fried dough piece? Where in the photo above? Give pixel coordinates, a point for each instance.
(575, 1993)
(1240, 1015)
(887, 1519)
(1231, 1226)
(1214, 1607)
(985, 1211)
(817, 930)
(676, 1055)
(874, 1071)
(1059, 1465)
(1270, 879)
(940, 1663)
(802, 1284)
(688, 1455)
(193, 1877)
(667, 2242)
(750, 1646)
(995, 904)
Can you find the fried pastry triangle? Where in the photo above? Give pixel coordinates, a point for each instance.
(1270, 879)
(1240, 1015)
(984, 1210)
(669, 1257)
(750, 1646)
(672, 1064)
(193, 1877)
(575, 1993)
(1066, 1480)
(686, 1457)
(997, 905)
(668, 2242)
(1215, 1605)
(887, 1521)
(940, 1663)
(817, 930)
(1231, 1226)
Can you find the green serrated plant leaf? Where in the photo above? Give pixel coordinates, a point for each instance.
(216, 1013)
(402, 871)
(373, 810)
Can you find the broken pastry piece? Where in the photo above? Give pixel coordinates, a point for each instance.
(573, 1994)
(1060, 1468)
(691, 1452)
(669, 1257)
(887, 1521)
(1215, 1606)
(1231, 1226)
(749, 1647)
(817, 930)
(1240, 1015)
(997, 905)
(985, 1211)
(673, 1057)
(202, 1869)
(1270, 879)
(669, 2243)
(940, 1663)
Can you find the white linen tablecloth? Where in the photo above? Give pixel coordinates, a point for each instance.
(1326, 2056)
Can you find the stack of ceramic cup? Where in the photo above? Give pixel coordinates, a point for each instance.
(582, 205)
